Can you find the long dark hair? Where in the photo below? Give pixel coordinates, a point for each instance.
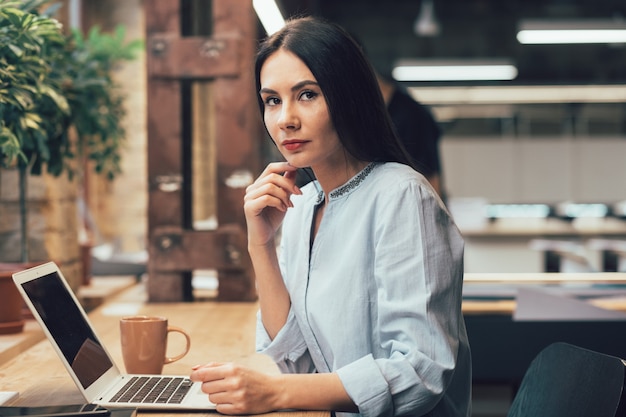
(347, 80)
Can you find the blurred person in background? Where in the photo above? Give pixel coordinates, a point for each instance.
(417, 129)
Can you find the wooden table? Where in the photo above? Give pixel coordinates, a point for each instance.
(220, 331)
(225, 332)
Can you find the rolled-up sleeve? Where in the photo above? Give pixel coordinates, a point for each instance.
(288, 349)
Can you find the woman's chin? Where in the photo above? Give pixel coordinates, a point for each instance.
(296, 162)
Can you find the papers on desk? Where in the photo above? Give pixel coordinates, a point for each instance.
(553, 302)
(541, 304)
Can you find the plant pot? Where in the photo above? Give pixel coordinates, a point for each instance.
(11, 301)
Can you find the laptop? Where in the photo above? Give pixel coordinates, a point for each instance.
(74, 339)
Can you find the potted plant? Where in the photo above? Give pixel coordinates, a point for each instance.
(58, 102)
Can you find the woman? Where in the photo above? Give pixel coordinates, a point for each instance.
(362, 310)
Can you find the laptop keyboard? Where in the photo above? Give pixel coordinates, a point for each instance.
(157, 390)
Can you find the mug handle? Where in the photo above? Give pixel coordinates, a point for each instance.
(188, 344)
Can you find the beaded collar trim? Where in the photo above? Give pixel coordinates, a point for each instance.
(354, 182)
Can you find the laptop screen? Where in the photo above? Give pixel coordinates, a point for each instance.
(69, 329)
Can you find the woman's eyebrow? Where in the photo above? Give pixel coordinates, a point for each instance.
(303, 83)
(296, 87)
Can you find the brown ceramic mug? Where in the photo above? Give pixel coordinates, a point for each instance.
(144, 343)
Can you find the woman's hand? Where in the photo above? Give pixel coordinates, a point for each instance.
(235, 389)
(267, 200)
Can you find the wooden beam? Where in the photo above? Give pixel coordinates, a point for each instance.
(181, 250)
(173, 60)
(197, 58)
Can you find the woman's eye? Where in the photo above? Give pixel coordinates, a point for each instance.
(308, 95)
(271, 101)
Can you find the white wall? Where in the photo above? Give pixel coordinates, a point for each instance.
(547, 170)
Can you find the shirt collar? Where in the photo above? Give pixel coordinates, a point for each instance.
(353, 183)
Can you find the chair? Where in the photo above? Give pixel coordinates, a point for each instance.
(568, 381)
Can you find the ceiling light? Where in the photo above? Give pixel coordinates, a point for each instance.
(560, 32)
(426, 23)
(448, 70)
(269, 15)
(521, 94)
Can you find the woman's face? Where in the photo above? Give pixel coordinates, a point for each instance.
(296, 114)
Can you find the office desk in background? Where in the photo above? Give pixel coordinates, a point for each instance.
(584, 309)
(219, 332)
(508, 244)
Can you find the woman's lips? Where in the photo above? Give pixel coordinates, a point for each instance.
(292, 145)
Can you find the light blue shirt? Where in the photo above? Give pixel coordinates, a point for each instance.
(377, 298)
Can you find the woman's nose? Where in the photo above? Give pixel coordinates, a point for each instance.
(288, 117)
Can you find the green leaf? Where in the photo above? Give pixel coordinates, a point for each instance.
(50, 82)
(16, 50)
(58, 99)
(32, 121)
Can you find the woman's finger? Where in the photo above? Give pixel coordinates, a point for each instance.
(284, 181)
